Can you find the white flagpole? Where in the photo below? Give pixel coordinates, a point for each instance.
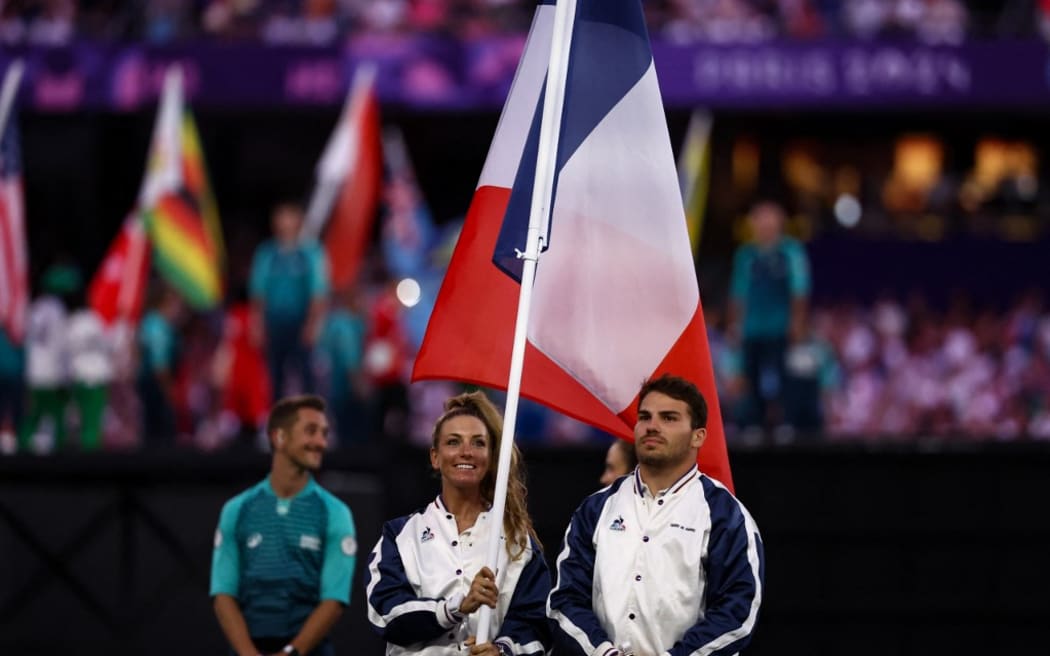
(539, 216)
(12, 78)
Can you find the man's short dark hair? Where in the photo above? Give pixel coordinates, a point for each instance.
(679, 389)
(284, 412)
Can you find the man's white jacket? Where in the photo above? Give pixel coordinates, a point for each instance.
(677, 573)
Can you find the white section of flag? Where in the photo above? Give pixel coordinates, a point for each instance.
(164, 168)
(618, 210)
(501, 165)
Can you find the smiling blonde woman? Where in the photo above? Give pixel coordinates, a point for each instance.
(427, 575)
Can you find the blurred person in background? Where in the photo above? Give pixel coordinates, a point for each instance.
(307, 22)
(380, 16)
(240, 374)
(38, 22)
(47, 361)
(386, 360)
(12, 390)
(233, 19)
(811, 374)
(718, 21)
(197, 402)
(428, 576)
(619, 461)
(166, 21)
(158, 362)
(858, 405)
(769, 298)
(285, 549)
(341, 354)
(288, 286)
(122, 425)
(106, 20)
(727, 361)
(91, 370)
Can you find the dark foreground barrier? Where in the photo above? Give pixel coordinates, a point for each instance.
(868, 552)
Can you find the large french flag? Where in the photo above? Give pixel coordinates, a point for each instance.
(615, 299)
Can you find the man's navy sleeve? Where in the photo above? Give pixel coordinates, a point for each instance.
(571, 604)
(735, 571)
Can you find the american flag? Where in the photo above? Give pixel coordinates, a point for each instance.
(14, 287)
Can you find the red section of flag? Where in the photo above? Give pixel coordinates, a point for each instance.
(14, 256)
(471, 331)
(690, 358)
(117, 289)
(350, 227)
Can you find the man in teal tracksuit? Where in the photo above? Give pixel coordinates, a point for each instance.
(285, 548)
(769, 299)
(289, 290)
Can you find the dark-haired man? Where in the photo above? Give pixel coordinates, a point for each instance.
(664, 562)
(285, 548)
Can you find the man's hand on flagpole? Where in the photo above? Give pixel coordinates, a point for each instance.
(483, 591)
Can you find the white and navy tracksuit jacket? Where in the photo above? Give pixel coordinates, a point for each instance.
(678, 574)
(421, 569)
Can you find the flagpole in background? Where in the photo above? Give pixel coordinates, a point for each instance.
(169, 113)
(694, 174)
(539, 219)
(130, 284)
(12, 78)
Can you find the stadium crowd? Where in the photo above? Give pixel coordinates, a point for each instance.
(896, 368)
(326, 22)
(893, 370)
(899, 369)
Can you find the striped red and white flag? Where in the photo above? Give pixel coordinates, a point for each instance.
(118, 288)
(14, 256)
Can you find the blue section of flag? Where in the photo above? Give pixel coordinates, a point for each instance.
(516, 219)
(610, 52)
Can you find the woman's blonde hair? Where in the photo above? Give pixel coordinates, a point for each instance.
(517, 525)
